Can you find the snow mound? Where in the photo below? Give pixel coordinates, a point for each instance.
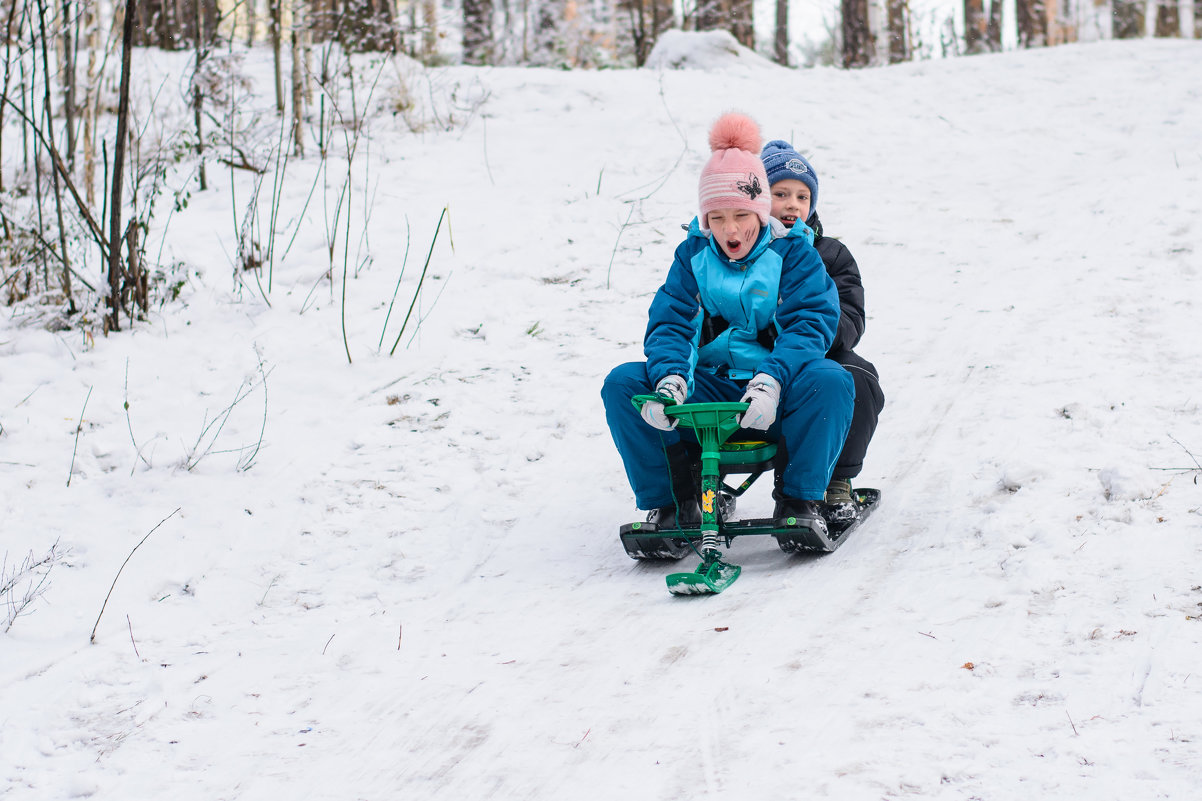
(701, 50)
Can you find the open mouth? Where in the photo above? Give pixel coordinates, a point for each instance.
(788, 220)
(733, 245)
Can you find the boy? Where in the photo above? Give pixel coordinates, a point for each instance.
(794, 190)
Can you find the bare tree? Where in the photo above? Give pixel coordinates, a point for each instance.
(898, 20)
(547, 46)
(113, 322)
(91, 102)
(708, 15)
(736, 16)
(298, 79)
(275, 12)
(975, 25)
(173, 24)
(477, 32)
(1128, 18)
(252, 20)
(367, 25)
(742, 22)
(1168, 18)
(70, 47)
(1032, 22)
(647, 20)
(429, 30)
(780, 40)
(859, 45)
(48, 114)
(198, 94)
(993, 31)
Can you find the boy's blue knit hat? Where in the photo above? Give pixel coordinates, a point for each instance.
(782, 162)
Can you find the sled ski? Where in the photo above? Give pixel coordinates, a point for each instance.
(646, 541)
(714, 424)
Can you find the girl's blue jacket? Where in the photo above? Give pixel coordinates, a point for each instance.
(772, 312)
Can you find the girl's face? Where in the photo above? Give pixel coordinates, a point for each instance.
(735, 230)
(790, 201)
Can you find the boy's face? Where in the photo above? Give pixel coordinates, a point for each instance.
(735, 230)
(790, 201)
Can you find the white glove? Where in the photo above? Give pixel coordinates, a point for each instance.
(762, 396)
(672, 386)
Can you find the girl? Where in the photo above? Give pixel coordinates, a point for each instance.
(747, 312)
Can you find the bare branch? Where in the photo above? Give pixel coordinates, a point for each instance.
(123, 564)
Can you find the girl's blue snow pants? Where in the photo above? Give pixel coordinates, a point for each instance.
(812, 420)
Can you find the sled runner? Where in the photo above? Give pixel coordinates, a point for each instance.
(723, 454)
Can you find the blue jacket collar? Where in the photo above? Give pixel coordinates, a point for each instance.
(767, 234)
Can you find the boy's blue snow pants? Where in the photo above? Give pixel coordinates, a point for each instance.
(812, 419)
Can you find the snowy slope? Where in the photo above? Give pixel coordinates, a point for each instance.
(416, 589)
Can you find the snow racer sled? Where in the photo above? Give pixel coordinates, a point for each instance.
(723, 454)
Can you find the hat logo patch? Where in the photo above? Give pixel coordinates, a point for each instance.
(796, 165)
(751, 187)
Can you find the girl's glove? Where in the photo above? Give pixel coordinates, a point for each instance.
(672, 386)
(762, 396)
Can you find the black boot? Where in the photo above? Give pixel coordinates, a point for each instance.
(797, 512)
(685, 513)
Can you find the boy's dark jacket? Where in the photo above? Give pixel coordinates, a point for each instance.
(845, 273)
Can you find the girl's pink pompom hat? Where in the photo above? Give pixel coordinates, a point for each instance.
(734, 177)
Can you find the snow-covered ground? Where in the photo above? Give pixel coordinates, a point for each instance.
(400, 577)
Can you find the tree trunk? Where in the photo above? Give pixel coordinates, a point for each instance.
(647, 19)
(1128, 19)
(198, 96)
(736, 16)
(10, 17)
(70, 50)
(898, 19)
(477, 32)
(90, 103)
(546, 32)
(742, 22)
(49, 122)
(145, 21)
(1032, 23)
(709, 15)
(298, 80)
(994, 30)
(127, 43)
(172, 24)
(974, 27)
(276, 12)
(430, 30)
(366, 26)
(138, 286)
(252, 20)
(1168, 19)
(780, 41)
(859, 48)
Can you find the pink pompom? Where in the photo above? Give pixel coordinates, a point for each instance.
(735, 130)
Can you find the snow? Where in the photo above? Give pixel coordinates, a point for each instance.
(401, 577)
(707, 50)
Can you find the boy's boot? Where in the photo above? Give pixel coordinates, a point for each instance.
(840, 505)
